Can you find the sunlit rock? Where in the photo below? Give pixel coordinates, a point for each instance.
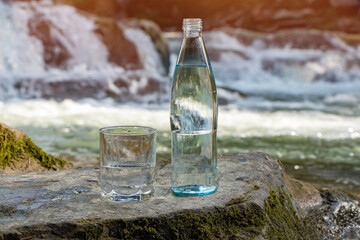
(19, 153)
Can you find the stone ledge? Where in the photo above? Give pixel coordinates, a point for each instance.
(252, 202)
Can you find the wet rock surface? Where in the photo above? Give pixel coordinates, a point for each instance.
(252, 202)
(338, 217)
(67, 204)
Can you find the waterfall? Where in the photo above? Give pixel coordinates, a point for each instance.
(43, 45)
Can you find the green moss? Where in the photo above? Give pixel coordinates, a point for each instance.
(220, 223)
(280, 163)
(282, 219)
(91, 231)
(239, 219)
(14, 149)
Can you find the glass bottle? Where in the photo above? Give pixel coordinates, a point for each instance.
(193, 117)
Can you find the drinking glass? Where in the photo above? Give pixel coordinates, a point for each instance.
(127, 163)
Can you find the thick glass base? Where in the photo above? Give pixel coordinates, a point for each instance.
(194, 190)
(113, 196)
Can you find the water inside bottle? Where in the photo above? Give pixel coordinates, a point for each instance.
(193, 123)
(194, 162)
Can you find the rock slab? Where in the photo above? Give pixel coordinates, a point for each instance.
(252, 202)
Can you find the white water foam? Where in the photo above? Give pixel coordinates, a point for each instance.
(273, 77)
(149, 56)
(262, 74)
(22, 55)
(232, 121)
(292, 70)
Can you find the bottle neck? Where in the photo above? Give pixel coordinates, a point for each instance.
(190, 33)
(192, 27)
(192, 51)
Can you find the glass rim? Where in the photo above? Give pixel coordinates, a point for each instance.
(108, 130)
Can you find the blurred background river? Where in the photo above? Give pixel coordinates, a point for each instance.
(288, 77)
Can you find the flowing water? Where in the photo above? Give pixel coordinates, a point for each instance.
(295, 95)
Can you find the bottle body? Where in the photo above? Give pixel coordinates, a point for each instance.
(193, 118)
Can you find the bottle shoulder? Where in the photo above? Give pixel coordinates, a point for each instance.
(193, 52)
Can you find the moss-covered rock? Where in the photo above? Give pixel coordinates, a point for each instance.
(283, 221)
(252, 202)
(237, 220)
(18, 152)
